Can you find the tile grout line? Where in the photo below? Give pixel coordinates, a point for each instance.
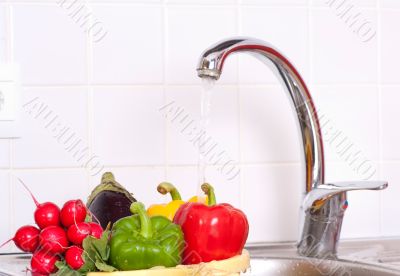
(310, 44)
(10, 59)
(8, 27)
(247, 164)
(183, 4)
(160, 165)
(165, 64)
(242, 188)
(89, 91)
(249, 85)
(379, 77)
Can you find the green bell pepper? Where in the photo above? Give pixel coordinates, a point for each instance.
(141, 242)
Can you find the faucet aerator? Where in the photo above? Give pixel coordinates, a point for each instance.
(208, 74)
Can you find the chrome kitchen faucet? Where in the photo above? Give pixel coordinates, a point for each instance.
(324, 204)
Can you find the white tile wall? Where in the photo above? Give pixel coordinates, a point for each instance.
(335, 46)
(339, 106)
(194, 2)
(390, 210)
(3, 34)
(56, 186)
(275, 2)
(140, 181)
(265, 121)
(126, 1)
(224, 112)
(259, 22)
(128, 128)
(390, 56)
(110, 92)
(5, 220)
(390, 4)
(356, 3)
(5, 153)
(48, 45)
(390, 131)
(275, 190)
(186, 177)
(39, 146)
(129, 53)
(189, 31)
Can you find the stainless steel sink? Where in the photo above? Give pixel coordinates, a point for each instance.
(356, 257)
(314, 267)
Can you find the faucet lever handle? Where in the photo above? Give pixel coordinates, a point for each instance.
(317, 197)
(355, 185)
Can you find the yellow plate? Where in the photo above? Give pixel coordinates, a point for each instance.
(231, 266)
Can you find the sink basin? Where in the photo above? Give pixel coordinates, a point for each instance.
(356, 257)
(314, 267)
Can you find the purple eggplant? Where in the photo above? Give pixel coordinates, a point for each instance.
(110, 201)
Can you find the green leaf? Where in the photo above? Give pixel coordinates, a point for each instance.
(95, 256)
(88, 217)
(101, 245)
(60, 264)
(88, 256)
(65, 270)
(96, 251)
(105, 267)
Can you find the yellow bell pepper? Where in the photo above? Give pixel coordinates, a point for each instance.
(203, 199)
(168, 210)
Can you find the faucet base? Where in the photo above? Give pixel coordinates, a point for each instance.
(321, 229)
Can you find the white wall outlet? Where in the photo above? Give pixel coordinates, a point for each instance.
(9, 102)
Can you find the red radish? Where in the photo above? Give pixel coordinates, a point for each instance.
(43, 263)
(78, 232)
(73, 257)
(53, 239)
(36, 273)
(73, 212)
(26, 238)
(46, 214)
(97, 231)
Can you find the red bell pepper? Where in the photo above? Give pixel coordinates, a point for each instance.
(214, 232)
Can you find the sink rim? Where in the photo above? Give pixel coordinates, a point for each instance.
(379, 267)
(380, 254)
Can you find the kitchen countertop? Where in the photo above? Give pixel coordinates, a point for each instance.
(381, 252)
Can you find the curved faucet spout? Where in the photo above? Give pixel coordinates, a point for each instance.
(324, 204)
(211, 64)
(315, 227)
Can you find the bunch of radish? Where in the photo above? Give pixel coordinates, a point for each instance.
(59, 234)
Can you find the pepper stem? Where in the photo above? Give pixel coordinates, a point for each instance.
(165, 188)
(145, 223)
(209, 191)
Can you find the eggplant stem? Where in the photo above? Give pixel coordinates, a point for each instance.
(107, 177)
